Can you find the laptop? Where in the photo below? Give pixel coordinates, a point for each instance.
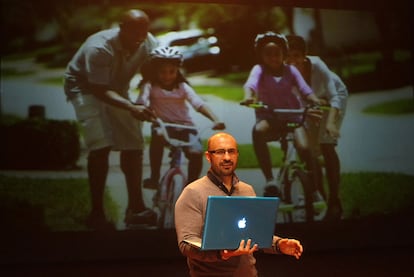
(229, 219)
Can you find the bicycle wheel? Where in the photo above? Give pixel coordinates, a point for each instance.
(298, 193)
(171, 188)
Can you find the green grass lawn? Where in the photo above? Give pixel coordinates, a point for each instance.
(47, 204)
(247, 157)
(396, 107)
(231, 93)
(376, 193)
(63, 204)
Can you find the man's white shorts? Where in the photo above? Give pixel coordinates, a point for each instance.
(318, 134)
(105, 125)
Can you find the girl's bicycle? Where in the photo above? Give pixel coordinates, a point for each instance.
(300, 202)
(174, 179)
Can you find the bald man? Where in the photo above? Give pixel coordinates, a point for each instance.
(97, 81)
(222, 154)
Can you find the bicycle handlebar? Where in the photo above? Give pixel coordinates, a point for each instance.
(260, 105)
(174, 141)
(311, 110)
(162, 128)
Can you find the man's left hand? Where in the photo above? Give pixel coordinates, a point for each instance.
(290, 247)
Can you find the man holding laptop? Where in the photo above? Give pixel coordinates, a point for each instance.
(190, 212)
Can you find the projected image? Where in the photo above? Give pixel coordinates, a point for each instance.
(320, 102)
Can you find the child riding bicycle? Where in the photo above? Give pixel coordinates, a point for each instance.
(165, 90)
(273, 82)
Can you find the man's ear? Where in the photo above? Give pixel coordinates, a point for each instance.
(207, 156)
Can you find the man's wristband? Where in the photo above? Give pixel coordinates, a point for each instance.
(276, 247)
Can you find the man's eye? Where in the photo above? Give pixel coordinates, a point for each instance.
(232, 151)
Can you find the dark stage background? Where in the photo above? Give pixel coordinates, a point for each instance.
(377, 244)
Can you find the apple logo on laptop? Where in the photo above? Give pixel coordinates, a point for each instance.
(242, 223)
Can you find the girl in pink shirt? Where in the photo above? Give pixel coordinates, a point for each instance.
(165, 90)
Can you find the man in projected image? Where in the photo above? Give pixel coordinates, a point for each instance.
(97, 83)
(324, 135)
(221, 180)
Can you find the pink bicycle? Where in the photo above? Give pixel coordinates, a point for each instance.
(174, 179)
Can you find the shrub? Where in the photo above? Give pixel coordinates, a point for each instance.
(37, 143)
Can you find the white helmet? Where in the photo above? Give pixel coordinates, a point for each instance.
(263, 39)
(166, 54)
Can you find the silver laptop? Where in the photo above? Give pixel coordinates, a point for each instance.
(229, 219)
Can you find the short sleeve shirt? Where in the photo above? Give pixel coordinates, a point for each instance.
(326, 84)
(101, 60)
(277, 93)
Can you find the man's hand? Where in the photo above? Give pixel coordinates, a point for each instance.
(219, 126)
(332, 130)
(314, 114)
(248, 101)
(244, 249)
(290, 247)
(323, 102)
(142, 113)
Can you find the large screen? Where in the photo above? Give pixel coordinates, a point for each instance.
(44, 186)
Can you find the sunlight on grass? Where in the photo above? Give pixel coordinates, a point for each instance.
(247, 157)
(236, 77)
(396, 107)
(58, 81)
(232, 93)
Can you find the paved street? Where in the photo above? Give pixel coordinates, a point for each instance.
(368, 142)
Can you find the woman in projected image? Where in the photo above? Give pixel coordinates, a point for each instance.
(272, 82)
(324, 135)
(166, 92)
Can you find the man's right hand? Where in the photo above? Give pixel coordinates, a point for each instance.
(247, 101)
(245, 248)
